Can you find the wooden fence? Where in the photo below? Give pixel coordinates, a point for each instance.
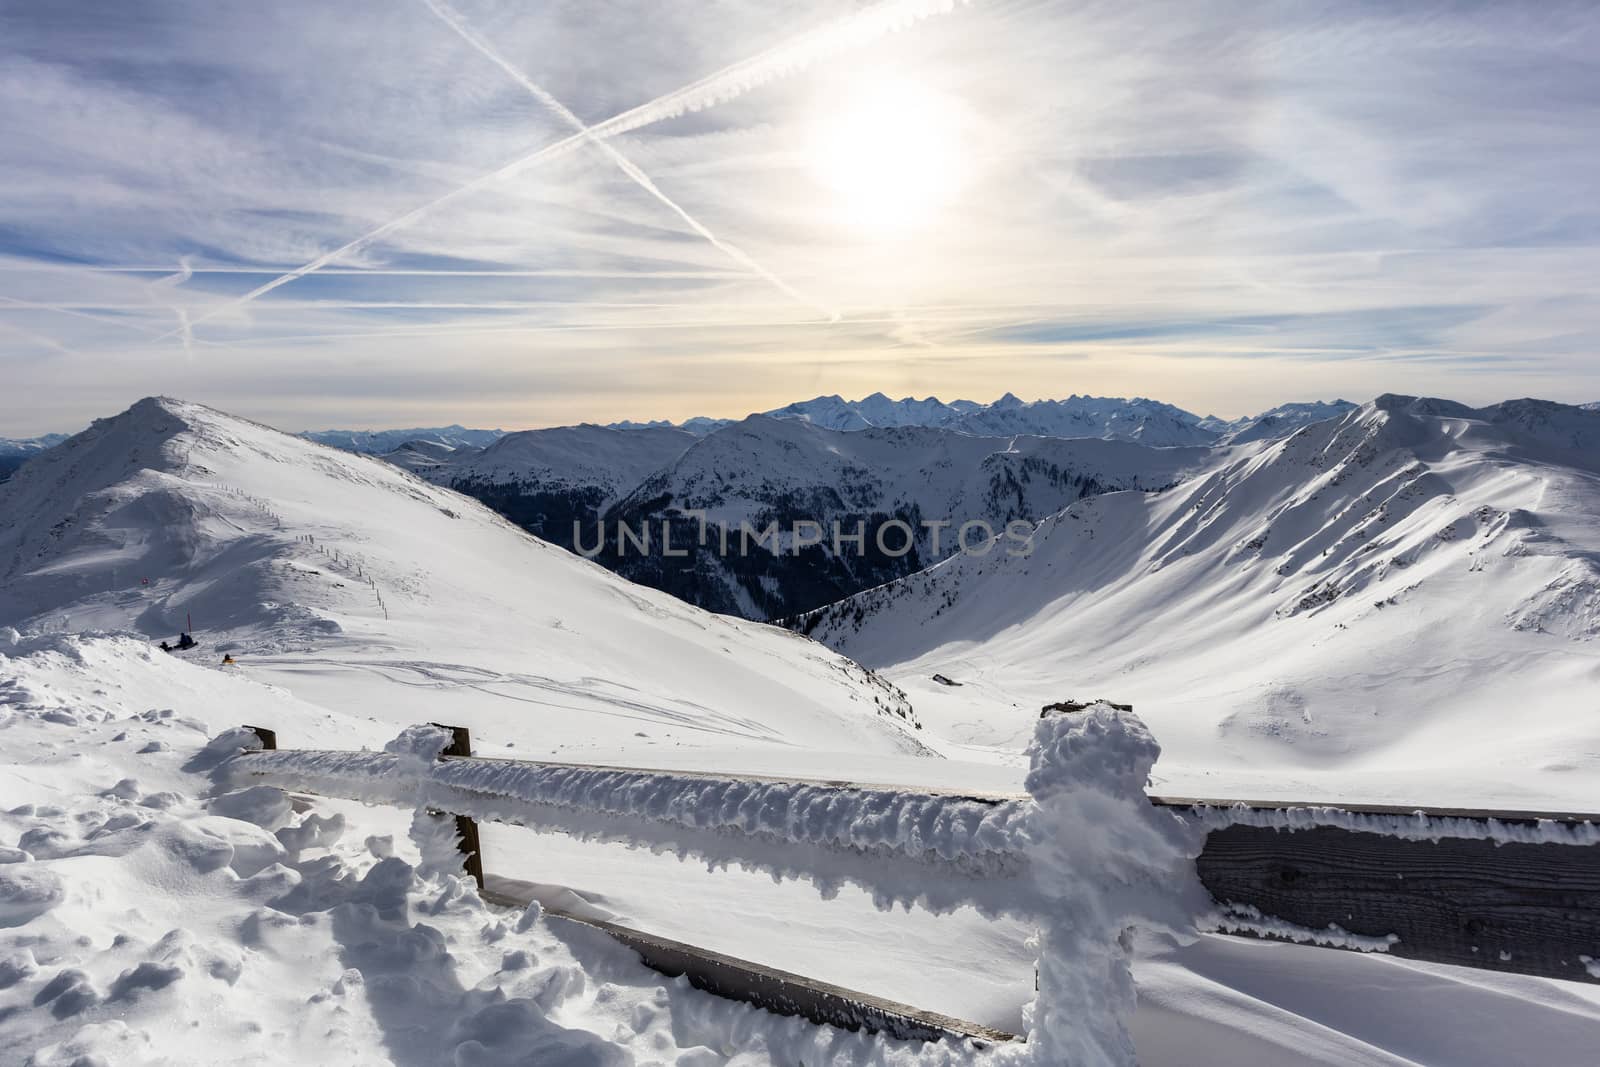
(1500, 890)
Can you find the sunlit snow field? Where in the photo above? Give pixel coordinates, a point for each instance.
(359, 600)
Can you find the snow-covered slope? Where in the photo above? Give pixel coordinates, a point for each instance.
(151, 915)
(147, 918)
(426, 458)
(583, 458)
(1282, 421)
(331, 568)
(546, 481)
(376, 442)
(785, 471)
(1409, 594)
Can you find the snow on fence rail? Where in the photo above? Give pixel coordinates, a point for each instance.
(1082, 854)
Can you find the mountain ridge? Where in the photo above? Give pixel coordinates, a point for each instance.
(315, 565)
(1354, 592)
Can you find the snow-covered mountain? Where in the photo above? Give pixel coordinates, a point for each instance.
(1411, 590)
(879, 410)
(700, 425)
(1114, 418)
(15, 451)
(993, 463)
(828, 412)
(377, 442)
(27, 446)
(766, 471)
(424, 457)
(584, 457)
(1146, 421)
(334, 567)
(1277, 422)
(547, 480)
(836, 413)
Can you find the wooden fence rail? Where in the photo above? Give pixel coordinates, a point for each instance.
(1515, 891)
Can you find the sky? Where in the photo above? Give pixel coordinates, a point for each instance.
(515, 214)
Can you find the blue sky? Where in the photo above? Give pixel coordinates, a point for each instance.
(517, 214)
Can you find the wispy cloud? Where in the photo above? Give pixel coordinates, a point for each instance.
(727, 84)
(452, 19)
(331, 204)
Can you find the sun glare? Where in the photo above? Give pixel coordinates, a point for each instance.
(890, 150)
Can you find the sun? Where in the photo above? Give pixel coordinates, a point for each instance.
(891, 152)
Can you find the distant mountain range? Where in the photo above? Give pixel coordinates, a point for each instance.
(840, 464)
(376, 442)
(1149, 422)
(585, 480)
(14, 451)
(898, 487)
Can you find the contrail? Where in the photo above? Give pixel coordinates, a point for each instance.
(37, 338)
(381, 272)
(779, 61)
(185, 329)
(75, 312)
(454, 20)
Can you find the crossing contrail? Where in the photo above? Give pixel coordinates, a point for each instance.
(453, 19)
(784, 59)
(185, 329)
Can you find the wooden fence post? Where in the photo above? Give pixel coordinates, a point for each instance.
(466, 827)
(268, 738)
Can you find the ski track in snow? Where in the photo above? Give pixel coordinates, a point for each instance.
(450, 676)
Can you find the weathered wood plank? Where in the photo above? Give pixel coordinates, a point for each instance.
(1499, 815)
(768, 988)
(1528, 909)
(268, 738)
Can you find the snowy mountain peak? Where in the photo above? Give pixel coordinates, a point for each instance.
(1420, 406)
(1377, 582)
(172, 516)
